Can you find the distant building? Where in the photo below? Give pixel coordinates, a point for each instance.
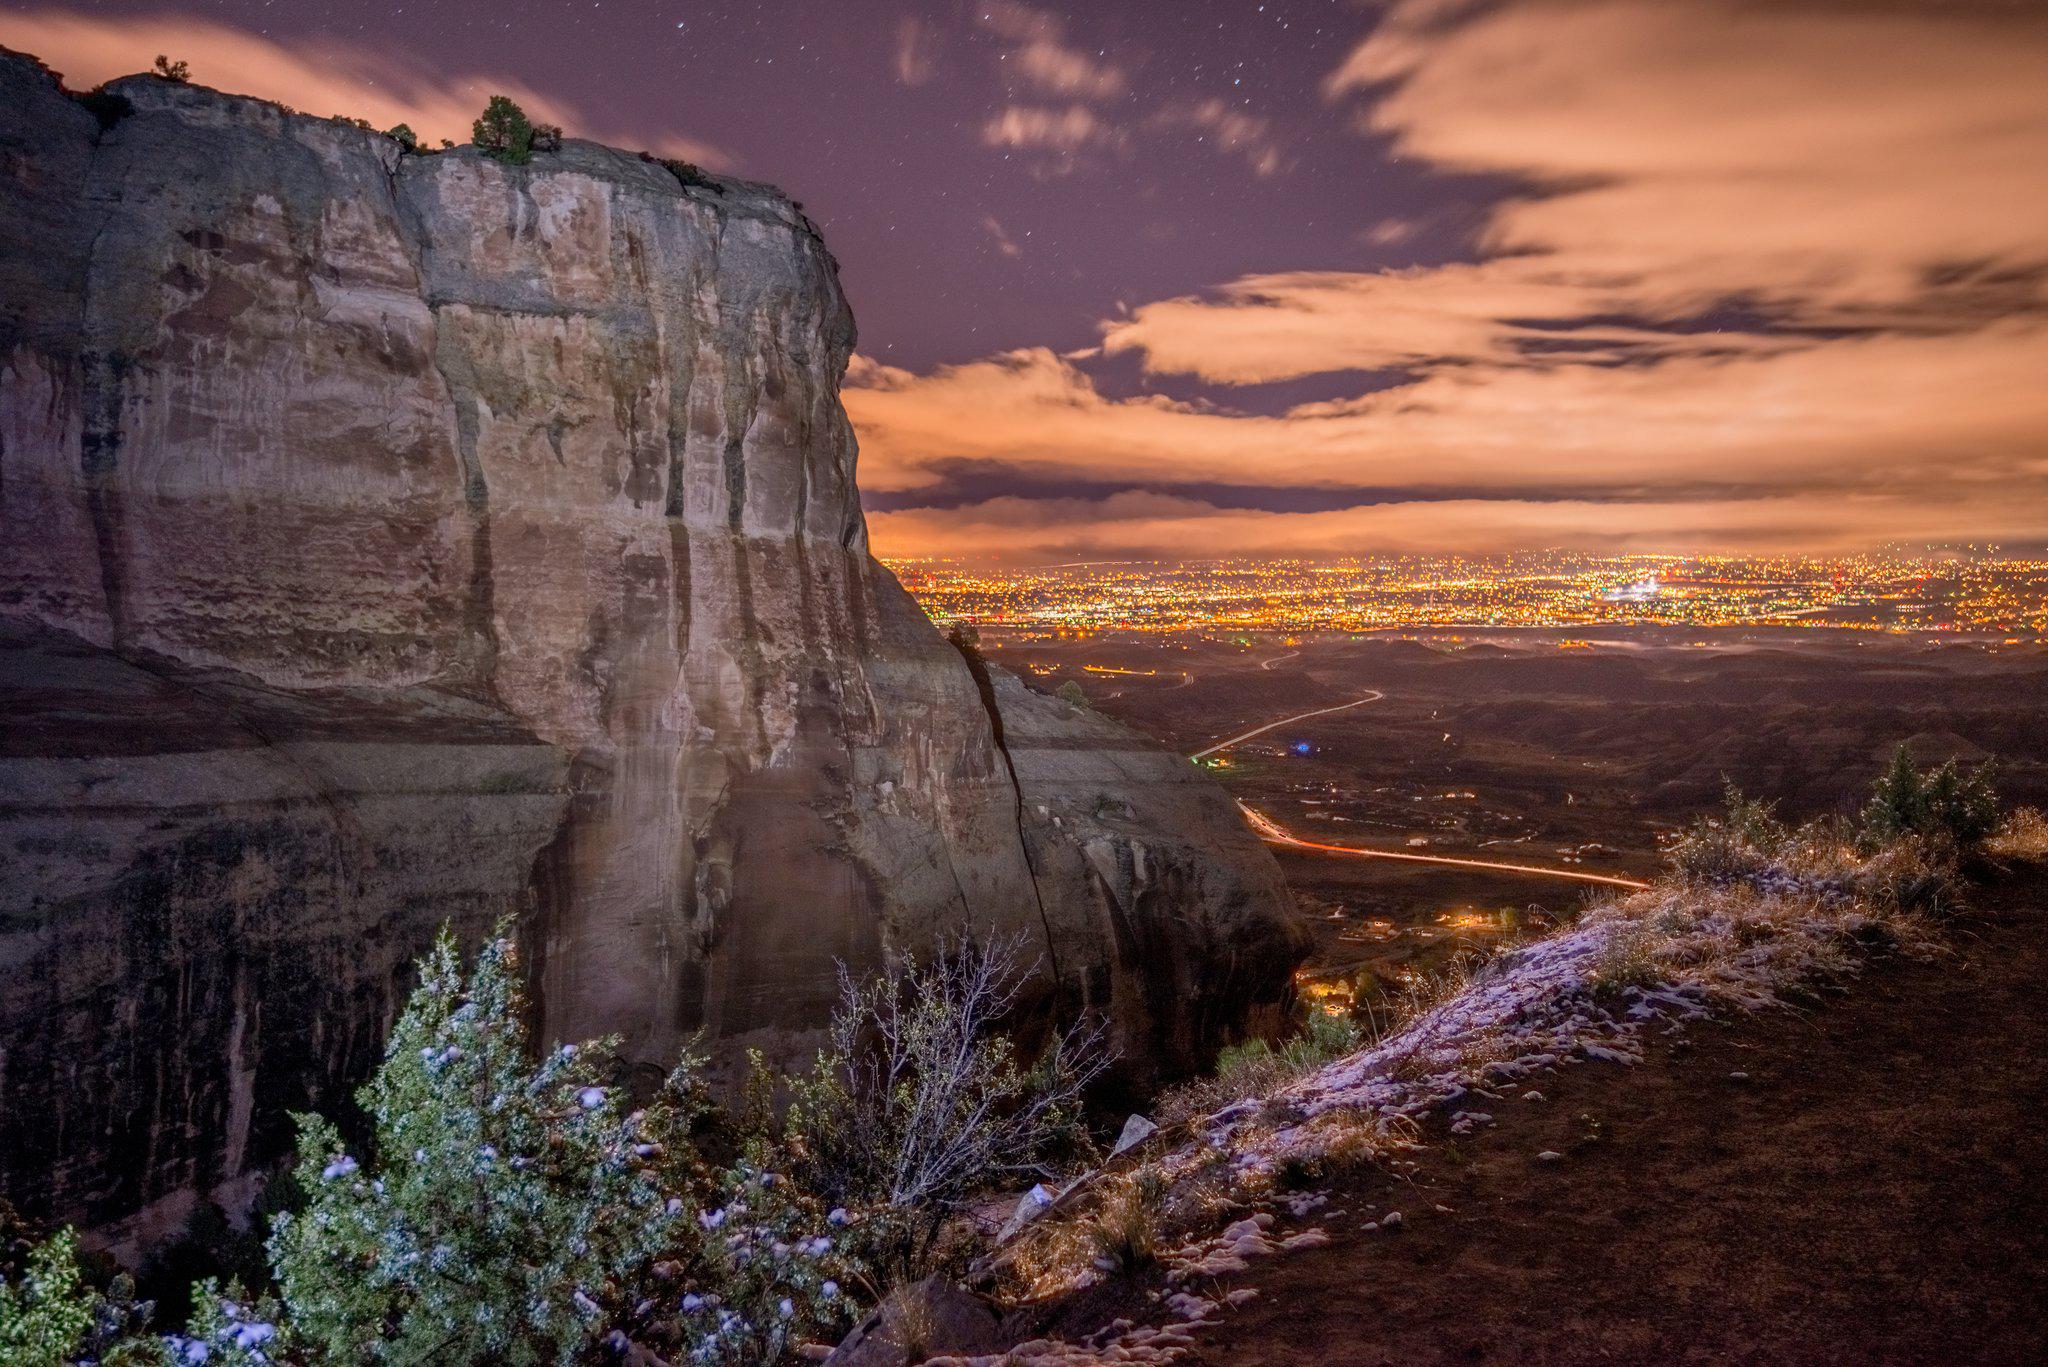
(1643, 590)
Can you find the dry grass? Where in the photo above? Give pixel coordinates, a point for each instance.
(1124, 1226)
(2023, 835)
(1256, 1070)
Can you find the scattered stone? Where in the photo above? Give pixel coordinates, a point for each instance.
(1030, 1206)
(1532, 1096)
(1548, 1156)
(1136, 1131)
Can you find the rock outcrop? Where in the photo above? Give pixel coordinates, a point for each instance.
(392, 539)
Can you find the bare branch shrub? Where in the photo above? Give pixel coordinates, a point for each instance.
(921, 1102)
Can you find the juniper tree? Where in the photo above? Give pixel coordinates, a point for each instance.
(504, 132)
(504, 1206)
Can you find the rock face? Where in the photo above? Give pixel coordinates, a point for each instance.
(392, 539)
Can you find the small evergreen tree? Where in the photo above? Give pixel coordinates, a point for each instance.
(1946, 806)
(1897, 806)
(503, 131)
(403, 135)
(1962, 807)
(1071, 692)
(505, 1205)
(180, 72)
(547, 137)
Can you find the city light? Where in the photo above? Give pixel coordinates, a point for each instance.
(1899, 592)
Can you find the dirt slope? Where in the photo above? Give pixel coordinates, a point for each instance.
(1872, 1192)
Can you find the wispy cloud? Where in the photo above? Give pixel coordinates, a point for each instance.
(1036, 50)
(1068, 130)
(1005, 243)
(917, 51)
(325, 77)
(1228, 130)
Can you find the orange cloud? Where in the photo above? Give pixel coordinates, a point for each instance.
(1144, 526)
(321, 78)
(1931, 411)
(1229, 130)
(1822, 156)
(917, 44)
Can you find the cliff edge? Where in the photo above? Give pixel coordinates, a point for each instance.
(397, 538)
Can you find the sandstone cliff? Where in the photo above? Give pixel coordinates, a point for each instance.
(391, 539)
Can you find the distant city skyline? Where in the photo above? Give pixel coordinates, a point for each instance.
(1315, 277)
(1523, 589)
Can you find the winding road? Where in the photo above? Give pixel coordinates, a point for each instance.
(1372, 695)
(1273, 833)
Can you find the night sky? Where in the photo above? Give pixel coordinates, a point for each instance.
(1193, 276)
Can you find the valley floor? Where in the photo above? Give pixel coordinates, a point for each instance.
(1871, 1192)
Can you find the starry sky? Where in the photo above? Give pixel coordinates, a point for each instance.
(1195, 277)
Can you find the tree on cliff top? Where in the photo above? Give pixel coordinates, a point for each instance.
(180, 72)
(503, 131)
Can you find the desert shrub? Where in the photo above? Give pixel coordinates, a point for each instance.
(1947, 806)
(547, 137)
(1072, 694)
(1627, 958)
(690, 175)
(1739, 843)
(45, 1316)
(1906, 877)
(504, 132)
(504, 1204)
(921, 1101)
(2022, 835)
(228, 1329)
(770, 1267)
(51, 1316)
(180, 72)
(403, 135)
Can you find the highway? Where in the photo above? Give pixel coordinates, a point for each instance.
(1372, 695)
(1274, 833)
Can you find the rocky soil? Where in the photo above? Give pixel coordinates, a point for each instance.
(1855, 1183)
